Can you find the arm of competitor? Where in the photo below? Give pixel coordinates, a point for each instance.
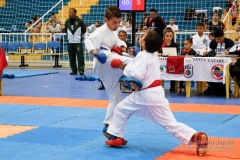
(119, 51)
(102, 58)
(129, 82)
(117, 63)
(132, 51)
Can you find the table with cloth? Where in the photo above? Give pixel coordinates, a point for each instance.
(200, 69)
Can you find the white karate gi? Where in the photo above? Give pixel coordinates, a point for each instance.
(201, 42)
(149, 103)
(103, 37)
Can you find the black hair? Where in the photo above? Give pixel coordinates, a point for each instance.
(200, 25)
(215, 13)
(152, 40)
(35, 17)
(74, 10)
(189, 40)
(153, 10)
(218, 32)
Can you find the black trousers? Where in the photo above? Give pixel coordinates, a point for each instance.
(75, 50)
(235, 72)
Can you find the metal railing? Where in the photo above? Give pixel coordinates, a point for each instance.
(62, 37)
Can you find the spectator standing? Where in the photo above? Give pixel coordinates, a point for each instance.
(215, 23)
(54, 24)
(173, 25)
(156, 22)
(74, 28)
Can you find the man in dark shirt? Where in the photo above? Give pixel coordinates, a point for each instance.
(75, 27)
(219, 88)
(219, 38)
(156, 22)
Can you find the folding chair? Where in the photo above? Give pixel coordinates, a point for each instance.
(25, 47)
(39, 47)
(3, 45)
(12, 47)
(54, 46)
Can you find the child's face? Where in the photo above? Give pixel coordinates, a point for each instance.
(211, 37)
(113, 23)
(168, 36)
(200, 30)
(187, 45)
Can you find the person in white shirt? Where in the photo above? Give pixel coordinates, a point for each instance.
(201, 41)
(102, 41)
(91, 28)
(172, 25)
(54, 24)
(149, 101)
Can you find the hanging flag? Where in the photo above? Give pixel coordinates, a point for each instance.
(234, 13)
(3, 61)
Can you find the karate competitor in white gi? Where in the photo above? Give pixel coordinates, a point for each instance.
(101, 42)
(149, 101)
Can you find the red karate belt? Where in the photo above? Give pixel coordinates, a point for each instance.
(155, 83)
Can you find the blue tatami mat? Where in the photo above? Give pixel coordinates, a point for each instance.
(70, 133)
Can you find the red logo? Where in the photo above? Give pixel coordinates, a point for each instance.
(217, 71)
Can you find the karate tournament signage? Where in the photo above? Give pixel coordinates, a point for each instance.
(210, 69)
(132, 5)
